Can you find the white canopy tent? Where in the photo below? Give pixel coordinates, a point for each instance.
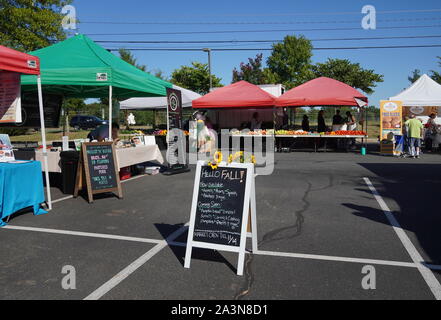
(157, 103)
(425, 92)
(423, 97)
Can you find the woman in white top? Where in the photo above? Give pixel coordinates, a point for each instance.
(350, 121)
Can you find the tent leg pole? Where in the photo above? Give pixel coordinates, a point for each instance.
(43, 136)
(110, 112)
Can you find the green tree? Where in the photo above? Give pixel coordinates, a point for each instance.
(416, 74)
(290, 61)
(28, 25)
(195, 78)
(350, 73)
(128, 57)
(253, 72)
(435, 74)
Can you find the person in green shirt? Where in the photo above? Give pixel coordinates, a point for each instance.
(414, 133)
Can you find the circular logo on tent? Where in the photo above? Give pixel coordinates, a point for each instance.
(174, 102)
(417, 110)
(390, 106)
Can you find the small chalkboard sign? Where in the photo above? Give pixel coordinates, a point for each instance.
(220, 210)
(98, 168)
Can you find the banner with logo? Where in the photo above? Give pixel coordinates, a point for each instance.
(391, 118)
(174, 98)
(421, 111)
(10, 97)
(176, 140)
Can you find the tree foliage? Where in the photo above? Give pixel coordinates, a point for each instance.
(253, 71)
(128, 57)
(28, 25)
(290, 61)
(435, 74)
(350, 73)
(416, 74)
(290, 64)
(195, 77)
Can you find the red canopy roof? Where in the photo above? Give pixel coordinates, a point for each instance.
(11, 60)
(238, 95)
(321, 92)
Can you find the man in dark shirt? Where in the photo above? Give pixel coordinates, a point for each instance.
(321, 122)
(337, 119)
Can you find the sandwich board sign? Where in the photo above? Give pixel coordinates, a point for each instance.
(222, 201)
(98, 168)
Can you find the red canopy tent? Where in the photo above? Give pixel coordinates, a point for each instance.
(241, 94)
(22, 63)
(11, 60)
(322, 92)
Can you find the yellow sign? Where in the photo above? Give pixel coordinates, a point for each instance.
(391, 118)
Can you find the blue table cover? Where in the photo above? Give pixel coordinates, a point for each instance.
(21, 186)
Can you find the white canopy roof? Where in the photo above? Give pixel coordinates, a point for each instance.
(425, 92)
(153, 103)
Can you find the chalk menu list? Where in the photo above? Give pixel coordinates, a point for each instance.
(101, 167)
(220, 206)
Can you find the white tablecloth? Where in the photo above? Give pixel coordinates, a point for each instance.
(125, 157)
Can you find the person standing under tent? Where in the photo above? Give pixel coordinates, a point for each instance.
(351, 126)
(430, 132)
(256, 124)
(305, 124)
(337, 120)
(406, 149)
(101, 133)
(415, 133)
(321, 124)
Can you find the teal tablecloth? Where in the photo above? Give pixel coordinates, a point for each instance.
(21, 186)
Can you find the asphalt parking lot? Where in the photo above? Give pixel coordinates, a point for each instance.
(322, 218)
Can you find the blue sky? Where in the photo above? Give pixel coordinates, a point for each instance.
(109, 17)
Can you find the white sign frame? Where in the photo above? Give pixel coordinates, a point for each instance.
(249, 204)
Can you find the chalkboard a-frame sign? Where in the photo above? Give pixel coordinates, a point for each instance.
(222, 199)
(97, 168)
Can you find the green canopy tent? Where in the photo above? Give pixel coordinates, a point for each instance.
(79, 68)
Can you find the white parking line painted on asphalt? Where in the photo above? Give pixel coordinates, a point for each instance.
(330, 258)
(267, 253)
(337, 259)
(427, 274)
(112, 283)
(84, 234)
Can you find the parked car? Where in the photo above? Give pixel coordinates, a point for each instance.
(86, 122)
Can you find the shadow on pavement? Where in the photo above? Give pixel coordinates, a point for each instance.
(198, 254)
(416, 189)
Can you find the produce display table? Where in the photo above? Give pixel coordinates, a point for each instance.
(316, 137)
(126, 157)
(21, 186)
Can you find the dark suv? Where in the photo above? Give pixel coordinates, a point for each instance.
(86, 122)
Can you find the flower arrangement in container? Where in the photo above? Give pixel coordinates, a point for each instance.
(238, 157)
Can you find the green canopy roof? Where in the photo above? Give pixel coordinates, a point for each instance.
(78, 67)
